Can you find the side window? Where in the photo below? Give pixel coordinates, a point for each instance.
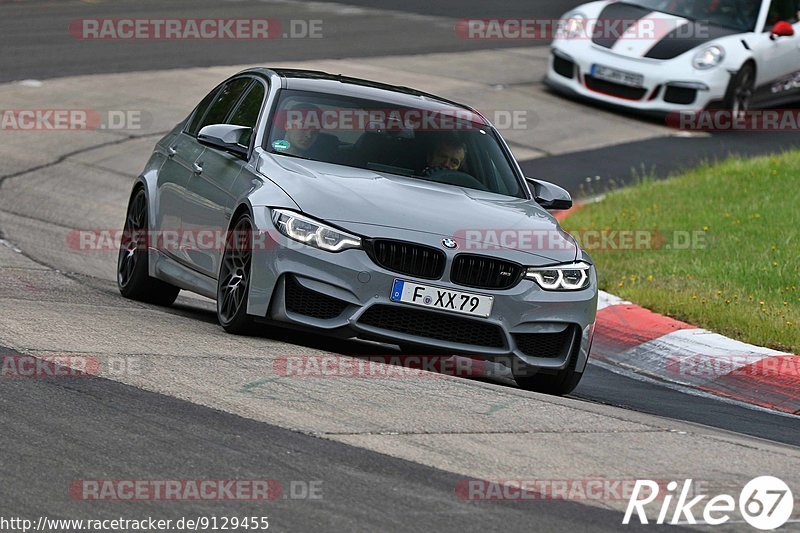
(786, 10)
(200, 112)
(246, 114)
(224, 102)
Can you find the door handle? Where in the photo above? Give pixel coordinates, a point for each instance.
(198, 168)
(171, 151)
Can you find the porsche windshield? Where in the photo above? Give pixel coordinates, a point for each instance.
(447, 145)
(740, 15)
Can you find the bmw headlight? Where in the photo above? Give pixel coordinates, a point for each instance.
(573, 26)
(309, 231)
(708, 57)
(567, 277)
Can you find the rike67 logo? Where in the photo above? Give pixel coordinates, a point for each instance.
(765, 503)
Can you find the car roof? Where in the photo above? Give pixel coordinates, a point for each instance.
(338, 84)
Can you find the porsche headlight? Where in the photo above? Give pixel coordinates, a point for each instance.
(708, 57)
(309, 231)
(567, 277)
(573, 27)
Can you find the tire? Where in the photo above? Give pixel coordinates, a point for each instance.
(557, 384)
(740, 91)
(133, 278)
(233, 282)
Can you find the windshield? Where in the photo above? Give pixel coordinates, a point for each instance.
(443, 146)
(738, 15)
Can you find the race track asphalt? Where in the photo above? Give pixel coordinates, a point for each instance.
(389, 455)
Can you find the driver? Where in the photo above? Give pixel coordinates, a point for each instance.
(301, 138)
(448, 153)
(304, 137)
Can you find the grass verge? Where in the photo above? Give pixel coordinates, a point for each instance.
(718, 247)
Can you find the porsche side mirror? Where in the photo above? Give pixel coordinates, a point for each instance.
(781, 29)
(225, 137)
(549, 195)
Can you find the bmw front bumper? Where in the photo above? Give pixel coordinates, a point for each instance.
(348, 295)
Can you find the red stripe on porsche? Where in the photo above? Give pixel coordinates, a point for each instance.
(772, 382)
(622, 327)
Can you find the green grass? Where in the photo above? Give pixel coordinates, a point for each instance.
(745, 282)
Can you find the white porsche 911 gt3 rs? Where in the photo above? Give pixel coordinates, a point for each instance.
(678, 55)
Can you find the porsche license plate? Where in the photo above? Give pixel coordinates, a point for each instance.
(618, 76)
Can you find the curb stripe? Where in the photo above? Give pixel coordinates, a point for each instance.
(772, 382)
(634, 337)
(627, 326)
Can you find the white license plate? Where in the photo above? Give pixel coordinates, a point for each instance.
(619, 76)
(455, 301)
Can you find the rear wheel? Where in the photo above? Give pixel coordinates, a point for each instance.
(234, 279)
(133, 278)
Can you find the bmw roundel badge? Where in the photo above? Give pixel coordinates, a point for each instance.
(449, 243)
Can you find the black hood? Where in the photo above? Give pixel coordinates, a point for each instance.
(617, 17)
(681, 40)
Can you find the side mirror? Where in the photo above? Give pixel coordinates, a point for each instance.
(781, 29)
(549, 195)
(225, 137)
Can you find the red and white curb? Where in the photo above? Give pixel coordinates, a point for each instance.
(660, 347)
(670, 350)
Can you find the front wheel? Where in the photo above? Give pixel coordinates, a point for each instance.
(559, 384)
(740, 91)
(234, 279)
(133, 278)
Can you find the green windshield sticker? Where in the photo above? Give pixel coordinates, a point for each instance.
(280, 145)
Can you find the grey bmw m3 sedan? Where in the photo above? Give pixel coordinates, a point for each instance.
(362, 210)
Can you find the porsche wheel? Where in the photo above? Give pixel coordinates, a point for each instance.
(740, 92)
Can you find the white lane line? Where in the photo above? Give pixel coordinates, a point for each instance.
(9, 245)
(30, 83)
